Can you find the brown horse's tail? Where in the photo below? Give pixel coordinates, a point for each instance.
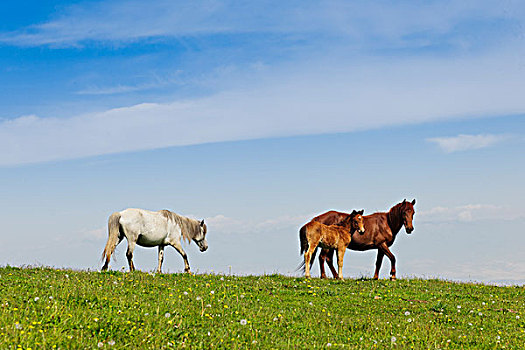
(113, 238)
(303, 240)
(304, 248)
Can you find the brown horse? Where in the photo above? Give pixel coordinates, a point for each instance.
(315, 234)
(380, 234)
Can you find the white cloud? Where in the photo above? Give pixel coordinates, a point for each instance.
(485, 270)
(464, 142)
(227, 225)
(95, 234)
(322, 97)
(469, 213)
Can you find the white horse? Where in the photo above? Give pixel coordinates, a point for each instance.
(153, 228)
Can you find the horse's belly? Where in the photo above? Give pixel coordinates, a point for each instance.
(150, 241)
(328, 243)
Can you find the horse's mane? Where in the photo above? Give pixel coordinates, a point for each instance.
(394, 214)
(188, 227)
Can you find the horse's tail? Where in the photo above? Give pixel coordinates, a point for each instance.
(303, 240)
(304, 248)
(113, 238)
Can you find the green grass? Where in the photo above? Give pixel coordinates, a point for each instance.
(43, 308)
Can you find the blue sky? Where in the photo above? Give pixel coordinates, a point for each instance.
(259, 116)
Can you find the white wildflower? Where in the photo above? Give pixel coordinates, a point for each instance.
(167, 314)
(243, 322)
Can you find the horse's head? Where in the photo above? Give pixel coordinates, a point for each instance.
(200, 238)
(357, 222)
(408, 215)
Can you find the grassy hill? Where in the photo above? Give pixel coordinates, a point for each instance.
(48, 309)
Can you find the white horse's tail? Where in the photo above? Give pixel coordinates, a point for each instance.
(113, 238)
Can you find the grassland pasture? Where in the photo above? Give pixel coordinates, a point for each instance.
(44, 308)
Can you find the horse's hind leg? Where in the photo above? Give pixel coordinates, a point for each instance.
(330, 263)
(161, 257)
(312, 246)
(307, 258)
(129, 255)
(322, 259)
(184, 256)
(392, 261)
(379, 261)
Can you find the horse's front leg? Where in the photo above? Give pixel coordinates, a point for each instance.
(379, 261)
(161, 258)
(340, 255)
(184, 256)
(392, 258)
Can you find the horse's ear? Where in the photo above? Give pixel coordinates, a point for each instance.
(404, 200)
(414, 201)
(202, 222)
(361, 211)
(353, 212)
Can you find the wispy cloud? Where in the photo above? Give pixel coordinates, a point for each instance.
(131, 21)
(148, 82)
(324, 97)
(464, 142)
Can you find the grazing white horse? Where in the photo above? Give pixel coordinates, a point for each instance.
(153, 228)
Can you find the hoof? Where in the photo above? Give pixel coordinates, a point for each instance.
(392, 278)
(341, 279)
(376, 278)
(323, 277)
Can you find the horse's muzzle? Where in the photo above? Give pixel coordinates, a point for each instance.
(409, 230)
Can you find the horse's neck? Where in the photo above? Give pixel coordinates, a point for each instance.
(395, 220)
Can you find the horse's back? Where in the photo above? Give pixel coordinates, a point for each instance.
(376, 221)
(331, 217)
(328, 235)
(376, 225)
(148, 227)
